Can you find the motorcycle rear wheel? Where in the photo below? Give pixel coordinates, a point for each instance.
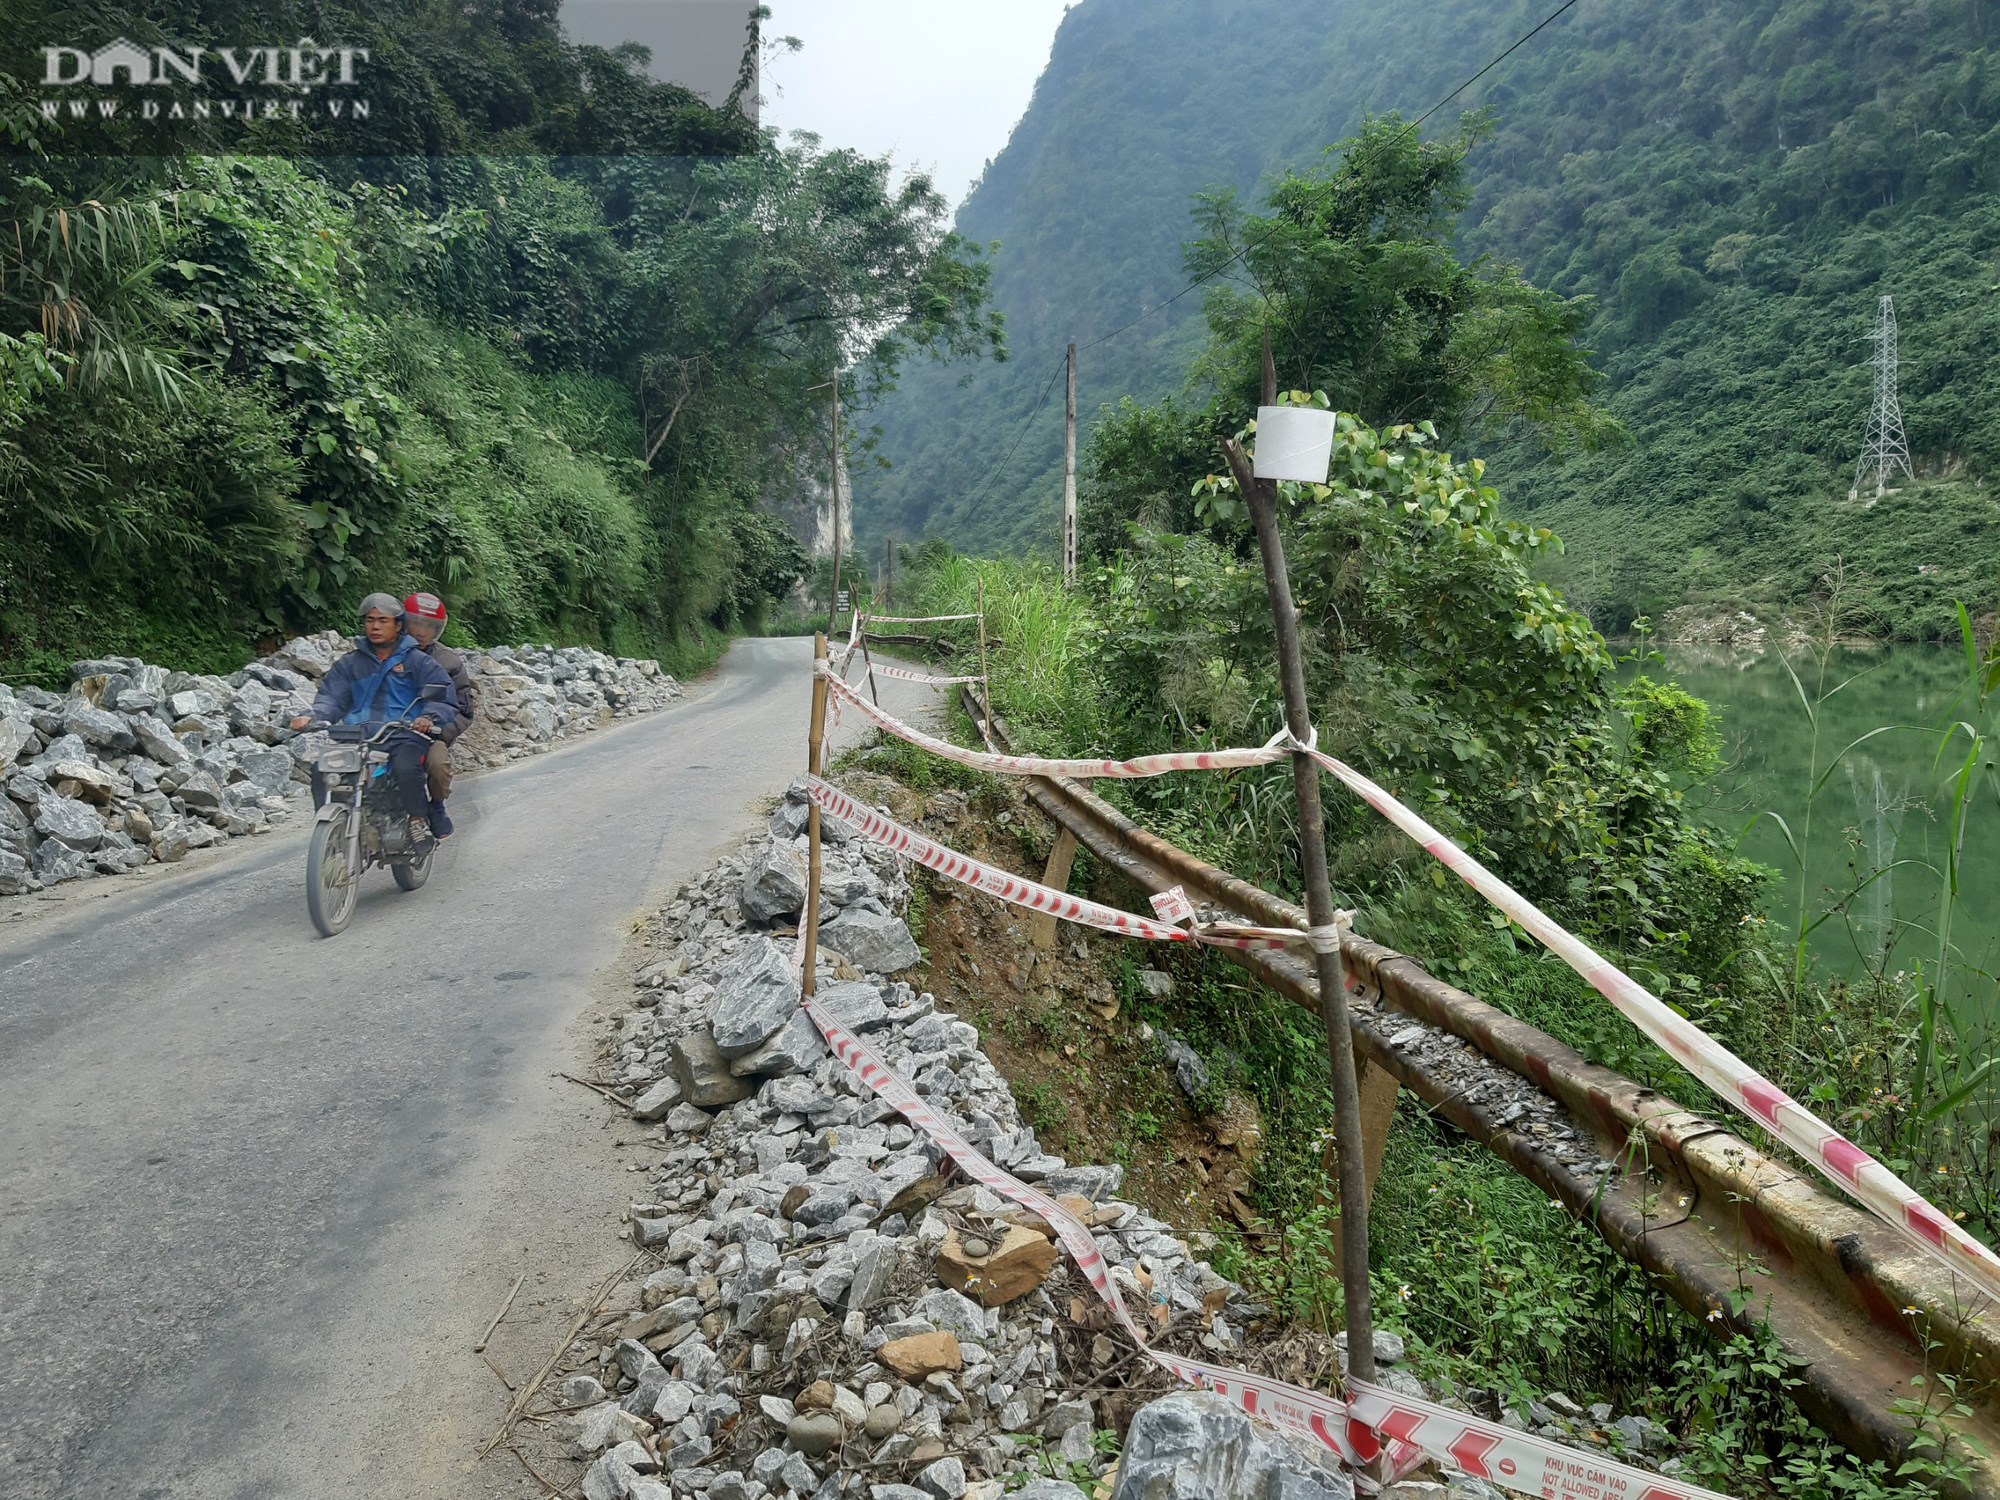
(331, 883)
(412, 873)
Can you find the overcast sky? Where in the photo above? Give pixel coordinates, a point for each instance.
(936, 84)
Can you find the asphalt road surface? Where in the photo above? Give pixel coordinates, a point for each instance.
(260, 1192)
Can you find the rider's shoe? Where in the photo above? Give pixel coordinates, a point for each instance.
(420, 833)
(441, 823)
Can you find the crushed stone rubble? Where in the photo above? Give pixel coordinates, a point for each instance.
(834, 1314)
(137, 763)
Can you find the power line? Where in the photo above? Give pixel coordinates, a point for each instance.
(1518, 43)
(1490, 66)
(1035, 411)
(1237, 255)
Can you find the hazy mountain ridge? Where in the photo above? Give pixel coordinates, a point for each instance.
(1735, 186)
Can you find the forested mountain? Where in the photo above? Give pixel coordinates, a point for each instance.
(541, 337)
(1734, 185)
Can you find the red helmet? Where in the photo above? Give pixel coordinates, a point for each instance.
(425, 607)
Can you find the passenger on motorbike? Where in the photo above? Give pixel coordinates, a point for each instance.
(424, 618)
(380, 680)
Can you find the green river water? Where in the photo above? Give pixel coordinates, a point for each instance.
(1888, 800)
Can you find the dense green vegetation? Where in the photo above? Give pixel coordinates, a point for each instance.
(1445, 671)
(557, 367)
(1733, 187)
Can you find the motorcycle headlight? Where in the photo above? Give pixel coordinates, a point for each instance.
(340, 758)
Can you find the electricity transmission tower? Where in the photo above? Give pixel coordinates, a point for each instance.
(1883, 451)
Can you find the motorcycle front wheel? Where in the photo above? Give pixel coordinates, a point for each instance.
(331, 882)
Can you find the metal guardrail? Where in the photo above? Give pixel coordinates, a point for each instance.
(1729, 1232)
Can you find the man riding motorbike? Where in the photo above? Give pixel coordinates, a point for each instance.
(424, 618)
(378, 681)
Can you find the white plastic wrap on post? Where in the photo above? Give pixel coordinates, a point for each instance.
(1293, 442)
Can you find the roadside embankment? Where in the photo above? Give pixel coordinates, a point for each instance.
(818, 1305)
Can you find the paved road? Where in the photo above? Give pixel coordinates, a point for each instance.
(259, 1192)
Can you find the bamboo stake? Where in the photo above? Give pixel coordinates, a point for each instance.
(812, 817)
(486, 1337)
(1262, 498)
(861, 635)
(985, 682)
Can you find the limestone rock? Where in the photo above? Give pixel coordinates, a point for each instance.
(1195, 1445)
(774, 885)
(871, 940)
(754, 1000)
(657, 1100)
(703, 1072)
(95, 726)
(857, 1006)
(75, 823)
(796, 1048)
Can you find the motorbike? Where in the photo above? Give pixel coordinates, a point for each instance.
(362, 823)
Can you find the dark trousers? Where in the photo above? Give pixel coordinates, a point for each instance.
(406, 766)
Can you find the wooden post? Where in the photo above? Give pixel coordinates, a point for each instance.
(1262, 498)
(833, 604)
(861, 636)
(1378, 1111)
(1042, 929)
(889, 570)
(985, 682)
(1069, 475)
(812, 814)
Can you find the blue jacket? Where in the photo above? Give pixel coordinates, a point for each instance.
(362, 689)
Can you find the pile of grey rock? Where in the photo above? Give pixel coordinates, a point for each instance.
(804, 1334)
(529, 698)
(137, 763)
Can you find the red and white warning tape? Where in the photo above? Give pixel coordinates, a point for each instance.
(1843, 1163)
(1028, 765)
(1373, 1422)
(1035, 897)
(917, 619)
(1850, 1168)
(883, 669)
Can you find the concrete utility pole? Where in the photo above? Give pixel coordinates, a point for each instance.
(1883, 449)
(889, 570)
(833, 600)
(1069, 475)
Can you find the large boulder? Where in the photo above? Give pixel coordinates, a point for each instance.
(13, 873)
(201, 792)
(54, 862)
(871, 940)
(74, 823)
(754, 1000)
(157, 741)
(795, 1048)
(856, 1005)
(774, 885)
(1196, 1445)
(96, 727)
(703, 1072)
(270, 771)
(16, 735)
